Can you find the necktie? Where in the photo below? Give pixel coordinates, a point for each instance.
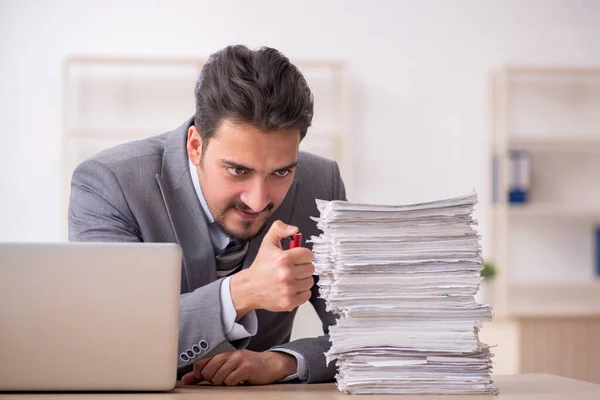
(230, 260)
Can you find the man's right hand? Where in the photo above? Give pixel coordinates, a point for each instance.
(277, 280)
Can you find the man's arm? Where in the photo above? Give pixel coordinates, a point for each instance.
(311, 350)
(277, 280)
(99, 212)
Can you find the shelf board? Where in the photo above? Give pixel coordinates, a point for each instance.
(555, 299)
(554, 145)
(552, 287)
(111, 134)
(549, 210)
(183, 62)
(551, 70)
(136, 134)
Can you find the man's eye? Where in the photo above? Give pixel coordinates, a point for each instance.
(283, 173)
(236, 171)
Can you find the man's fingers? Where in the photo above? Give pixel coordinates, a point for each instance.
(198, 366)
(304, 271)
(303, 297)
(226, 369)
(278, 231)
(190, 379)
(213, 365)
(194, 377)
(300, 255)
(238, 376)
(304, 284)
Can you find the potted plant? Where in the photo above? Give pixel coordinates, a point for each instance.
(485, 295)
(489, 270)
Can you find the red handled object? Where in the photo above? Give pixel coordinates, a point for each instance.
(296, 241)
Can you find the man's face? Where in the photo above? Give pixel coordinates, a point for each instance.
(244, 174)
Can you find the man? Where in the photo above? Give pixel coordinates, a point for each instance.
(229, 185)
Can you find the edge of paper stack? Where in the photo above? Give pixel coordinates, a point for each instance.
(402, 280)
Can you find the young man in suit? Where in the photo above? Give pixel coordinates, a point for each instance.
(227, 185)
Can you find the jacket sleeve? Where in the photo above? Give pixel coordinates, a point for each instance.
(99, 212)
(314, 349)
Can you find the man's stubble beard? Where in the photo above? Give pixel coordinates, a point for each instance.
(220, 221)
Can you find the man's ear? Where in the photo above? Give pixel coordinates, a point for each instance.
(194, 145)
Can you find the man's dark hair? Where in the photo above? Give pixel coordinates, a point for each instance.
(258, 87)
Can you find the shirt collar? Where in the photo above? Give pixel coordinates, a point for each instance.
(218, 238)
(198, 189)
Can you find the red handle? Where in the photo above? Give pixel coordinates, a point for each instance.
(296, 241)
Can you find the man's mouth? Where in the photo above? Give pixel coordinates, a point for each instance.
(245, 214)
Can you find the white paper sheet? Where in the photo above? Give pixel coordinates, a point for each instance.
(402, 280)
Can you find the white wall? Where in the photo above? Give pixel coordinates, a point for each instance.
(418, 72)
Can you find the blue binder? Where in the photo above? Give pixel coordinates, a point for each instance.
(519, 183)
(597, 244)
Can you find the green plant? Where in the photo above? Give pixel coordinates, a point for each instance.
(489, 270)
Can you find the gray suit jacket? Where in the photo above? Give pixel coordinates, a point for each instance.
(142, 192)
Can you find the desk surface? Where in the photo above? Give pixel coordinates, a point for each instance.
(514, 387)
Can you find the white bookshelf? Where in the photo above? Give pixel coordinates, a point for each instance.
(547, 211)
(557, 144)
(112, 100)
(555, 299)
(545, 249)
(546, 293)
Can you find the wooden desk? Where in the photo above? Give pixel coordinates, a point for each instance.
(513, 387)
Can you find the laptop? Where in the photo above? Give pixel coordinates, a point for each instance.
(89, 316)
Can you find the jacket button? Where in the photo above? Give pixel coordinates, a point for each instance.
(203, 345)
(184, 357)
(190, 354)
(196, 349)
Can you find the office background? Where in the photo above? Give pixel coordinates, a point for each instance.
(418, 74)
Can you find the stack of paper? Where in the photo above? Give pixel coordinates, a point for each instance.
(402, 280)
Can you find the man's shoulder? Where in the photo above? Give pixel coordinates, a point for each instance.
(316, 174)
(317, 178)
(309, 164)
(123, 156)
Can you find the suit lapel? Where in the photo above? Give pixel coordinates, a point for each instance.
(185, 211)
(283, 213)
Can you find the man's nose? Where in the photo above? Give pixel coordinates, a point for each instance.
(255, 196)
